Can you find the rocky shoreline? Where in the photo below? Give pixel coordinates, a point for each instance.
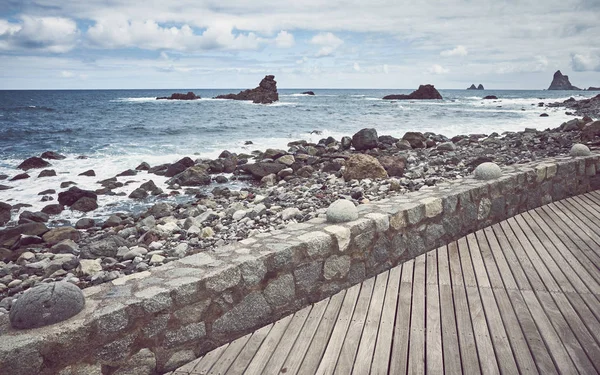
(281, 187)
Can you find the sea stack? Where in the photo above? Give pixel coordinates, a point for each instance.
(473, 87)
(561, 82)
(423, 92)
(178, 96)
(265, 93)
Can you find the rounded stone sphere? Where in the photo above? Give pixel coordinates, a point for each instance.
(580, 150)
(487, 171)
(342, 211)
(46, 304)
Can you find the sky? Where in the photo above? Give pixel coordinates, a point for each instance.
(120, 44)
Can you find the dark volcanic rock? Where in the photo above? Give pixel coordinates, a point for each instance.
(416, 139)
(69, 197)
(47, 173)
(178, 96)
(262, 169)
(52, 155)
(85, 204)
(584, 107)
(394, 165)
(472, 87)
(265, 93)
(53, 209)
(591, 88)
(480, 87)
(490, 97)
(33, 163)
(561, 82)
(20, 176)
(423, 92)
(89, 173)
(9, 236)
(192, 176)
(4, 213)
(365, 139)
(308, 93)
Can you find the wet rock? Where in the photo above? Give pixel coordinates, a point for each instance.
(138, 193)
(561, 82)
(47, 173)
(89, 173)
(53, 209)
(365, 139)
(85, 204)
(311, 93)
(127, 173)
(85, 223)
(40, 217)
(51, 155)
(423, 92)
(490, 97)
(69, 197)
(9, 236)
(179, 96)
(143, 167)
(56, 235)
(33, 163)
(47, 191)
(192, 176)
(20, 176)
(265, 93)
(5, 214)
(360, 166)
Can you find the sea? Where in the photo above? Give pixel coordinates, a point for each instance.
(116, 130)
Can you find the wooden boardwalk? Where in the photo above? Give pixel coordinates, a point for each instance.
(521, 296)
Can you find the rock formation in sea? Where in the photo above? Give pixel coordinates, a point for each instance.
(265, 93)
(308, 93)
(592, 88)
(561, 82)
(178, 96)
(473, 87)
(490, 97)
(480, 87)
(584, 107)
(423, 92)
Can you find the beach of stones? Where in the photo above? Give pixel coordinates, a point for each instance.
(280, 187)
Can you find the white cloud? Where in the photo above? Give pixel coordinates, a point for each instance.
(67, 74)
(328, 42)
(438, 69)
(49, 34)
(457, 51)
(386, 68)
(284, 40)
(356, 67)
(585, 62)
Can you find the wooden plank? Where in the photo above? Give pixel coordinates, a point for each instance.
(466, 338)
(399, 361)
(292, 362)
(383, 346)
(580, 205)
(224, 362)
(564, 333)
(205, 364)
(416, 353)
(513, 270)
(332, 352)
(267, 347)
(501, 345)
(185, 369)
(591, 238)
(449, 332)
(353, 336)
(553, 341)
(434, 352)
(321, 338)
(364, 356)
(247, 353)
(485, 350)
(577, 214)
(589, 317)
(584, 202)
(282, 350)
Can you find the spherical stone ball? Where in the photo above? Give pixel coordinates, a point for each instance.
(46, 304)
(342, 211)
(487, 171)
(580, 150)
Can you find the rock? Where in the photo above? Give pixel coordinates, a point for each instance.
(487, 171)
(4, 187)
(290, 213)
(143, 167)
(192, 176)
(365, 139)
(160, 210)
(415, 139)
(51, 155)
(590, 131)
(66, 184)
(106, 247)
(112, 221)
(176, 168)
(308, 93)
(423, 92)
(238, 215)
(138, 193)
(127, 173)
(56, 235)
(544, 115)
(85, 204)
(47, 173)
(9, 236)
(346, 142)
(286, 160)
(5, 214)
(490, 97)
(67, 246)
(207, 232)
(360, 166)
(40, 217)
(341, 211)
(262, 169)
(446, 146)
(580, 150)
(20, 176)
(33, 163)
(46, 304)
(53, 209)
(89, 267)
(403, 144)
(151, 187)
(89, 173)
(306, 171)
(178, 96)
(136, 251)
(394, 165)
(85, 223)
(561, 82)
(265, 93)
(269, 180)
(69, 197)
(157, 259)
(479, 87)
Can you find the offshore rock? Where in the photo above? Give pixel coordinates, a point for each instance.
(561, 82)
(265, 93)
(178, 96)
(33, 163)
(423, 92)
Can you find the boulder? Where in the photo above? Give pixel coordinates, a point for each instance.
(46, 304)
(9, 236)
(360, 166)
(308, 93)
(56, 235)
(590, 131)
(561, 82)
(341, 211)
(179, 166)
(47, 173)
(192, 176)
(51, 155)
(88, 173)
(160, 210)
(365, 139)
(33, 163)
(69, 197)
(415, 139)
(4, 213)
(40, 217)
(490, 97)
(85, 204)
(394, 165)
(179, 96)
(138, 193)
(85, 223)
(423, 92)
(106, 247)
(262, 169)
(20, 176)
(580, 150)
(487, 171)
(53, 209)
(265, 93)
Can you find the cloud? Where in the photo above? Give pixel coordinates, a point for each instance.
(356, 67)
(438, 69)
(386, 68)
(284, 40)
(585, 62)
(457, 51)
(67, 74)
(47, 34)
(328, 42)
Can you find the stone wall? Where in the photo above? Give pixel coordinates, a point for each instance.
(155, 321)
